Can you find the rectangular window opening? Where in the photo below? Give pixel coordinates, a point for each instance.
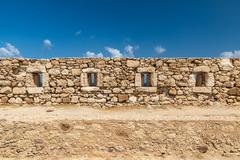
(37, 79)
(146, 79)
(200, 79)
(92, 79)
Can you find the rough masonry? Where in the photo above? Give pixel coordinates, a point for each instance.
(119, 81)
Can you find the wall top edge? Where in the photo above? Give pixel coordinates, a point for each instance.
(110, 58)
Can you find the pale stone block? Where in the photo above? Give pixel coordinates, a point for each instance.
(76, 71)
(5, 83)
(54, 71)
(147, 89)
(146, 69)
(133, 63)
(202, 89)
(210, 81)
(89, 89)
(153, 79)
(99, 79)
(138, 80)
(133, 99)
(74, 99)
(19, 90)
(6, 90)
(201, 69)
(85, 70)
(84, 79)
(35, 90)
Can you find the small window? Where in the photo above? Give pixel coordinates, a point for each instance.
(146, 81)
(200, 79)
(37, 79)
(92, 79)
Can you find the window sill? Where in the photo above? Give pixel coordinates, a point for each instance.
(202, 89)
(35, 90)
(147, 89)
(90, 89)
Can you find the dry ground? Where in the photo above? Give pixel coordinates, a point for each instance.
(76, 132)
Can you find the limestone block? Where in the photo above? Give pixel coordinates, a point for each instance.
(19, 90)
(5, 83)
(146, 69)
(74, 99)
(69, 90)
(132, 99)
(153, 79)
(87, 70)
(61, 83)
(155, 98)
(201, 69)
(122, 98)
(36, 67)
(99, 79)
(54, 71)
(235, 91)
(138, 80)
(76, 71)
(116, 90)
(84, 79)
(133, 63)
(89, 89)
(210, 81)
(202, 89)
(70, 83)
(64, 72)
(162, 77)
(192, 80)
(6, 90)
(147, 89)
(34, 90)
(172, 92)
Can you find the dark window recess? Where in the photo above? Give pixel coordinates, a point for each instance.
(92, 79)
(201, 79)
(146, 79)
(38, 79)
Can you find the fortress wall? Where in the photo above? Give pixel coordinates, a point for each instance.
(120, 81)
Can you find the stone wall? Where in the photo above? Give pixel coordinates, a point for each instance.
(120, 81)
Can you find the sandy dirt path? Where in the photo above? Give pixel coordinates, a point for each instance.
(43, 113)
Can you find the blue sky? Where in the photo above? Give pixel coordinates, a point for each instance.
(112, 28)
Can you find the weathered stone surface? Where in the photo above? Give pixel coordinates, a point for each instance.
(19, 90)
(147, 89)
(34, 90)
(5, 83)
(122, 97)
(234, 91)
(133, 99)
(54, 71)
(89, 89)
(172, 92)
(6, 90)
(202, 89)
(146, 69)
(201, 69)
(133, 63)
(76, 71)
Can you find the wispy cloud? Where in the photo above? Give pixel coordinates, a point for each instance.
(160, 49)
(47, 43)
(230, 54)
(92, 54)
(9, 50)
(129, 50)
(114, 52)
(78, 33)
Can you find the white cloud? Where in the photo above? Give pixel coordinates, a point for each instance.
(9, 50)
(92, 54)
(47, 43)
(129, 50)
(160, 49)
(78, 33)
(114, 52)
(231, 54)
